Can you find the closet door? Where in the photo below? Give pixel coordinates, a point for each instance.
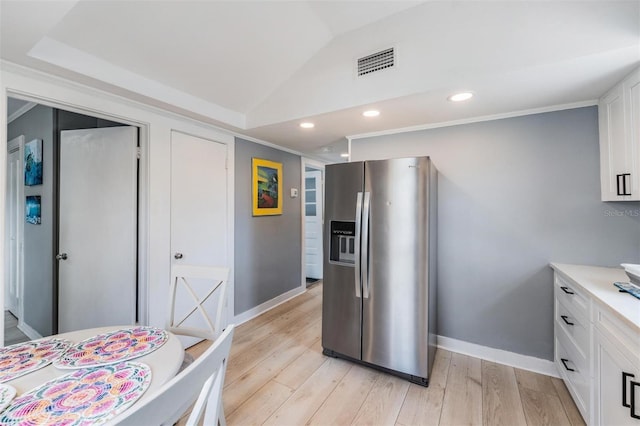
(97, 259)
(198, 211)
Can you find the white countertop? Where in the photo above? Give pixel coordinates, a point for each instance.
(598, 282)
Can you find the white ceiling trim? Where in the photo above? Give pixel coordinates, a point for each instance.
(65, 56)
(269, 144)
(491, 117)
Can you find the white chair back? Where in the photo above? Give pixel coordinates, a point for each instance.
(184, 277)
(201, 382)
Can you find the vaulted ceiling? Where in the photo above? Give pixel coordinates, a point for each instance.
(261, 67)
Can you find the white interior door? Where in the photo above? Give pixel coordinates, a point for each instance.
(14, 222)
(313, 223)
(97, 275)
(198, 211)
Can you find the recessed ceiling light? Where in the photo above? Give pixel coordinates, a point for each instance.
(344, 155)
(459, 97)
(371, 113)
(307, 125)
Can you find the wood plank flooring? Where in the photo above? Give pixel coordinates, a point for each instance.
(277, 375)
(12, 334)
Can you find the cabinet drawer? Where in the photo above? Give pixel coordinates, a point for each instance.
(570, 296)
(574, 369)
(575, 326)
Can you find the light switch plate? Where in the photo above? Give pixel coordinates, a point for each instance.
(294, 192)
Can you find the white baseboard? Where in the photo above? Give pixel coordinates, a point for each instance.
(524, 362)
(28, 330)
(269, 304)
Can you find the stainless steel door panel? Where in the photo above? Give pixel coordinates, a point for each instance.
(395, 321)
(341, 307)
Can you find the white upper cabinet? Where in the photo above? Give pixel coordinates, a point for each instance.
(619, 119)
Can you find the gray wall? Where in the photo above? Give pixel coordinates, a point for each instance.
(268, 249)
(514, 195)
(38, 239)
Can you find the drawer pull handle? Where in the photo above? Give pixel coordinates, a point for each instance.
(565, 319)
(622, 177)
(632, 409)
(564, 362)
(624, 388)
(567, 290)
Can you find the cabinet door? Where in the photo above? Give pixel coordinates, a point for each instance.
(631, 88)
(614, 164)
(619, 120)
(614, 377)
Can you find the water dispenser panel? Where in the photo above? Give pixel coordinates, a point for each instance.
(343, 242)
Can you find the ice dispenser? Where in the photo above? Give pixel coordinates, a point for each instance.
(343, 240)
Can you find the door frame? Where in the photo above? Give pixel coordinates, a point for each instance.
(17, 143)
(143, 199)
(318, 165)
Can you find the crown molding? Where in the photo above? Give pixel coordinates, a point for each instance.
(479, 119)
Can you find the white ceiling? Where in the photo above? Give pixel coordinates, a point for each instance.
(261, 67)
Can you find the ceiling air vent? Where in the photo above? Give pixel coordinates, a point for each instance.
(376, 62)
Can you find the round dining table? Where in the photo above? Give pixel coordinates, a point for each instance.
(164, 362)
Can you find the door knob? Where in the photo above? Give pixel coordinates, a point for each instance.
(178, 255)
(61, 256)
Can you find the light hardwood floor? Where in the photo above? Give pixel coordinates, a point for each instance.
(12, 333)
(277, 375)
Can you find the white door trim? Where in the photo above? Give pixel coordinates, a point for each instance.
(143, 192)
(306, 162)
(17, 143)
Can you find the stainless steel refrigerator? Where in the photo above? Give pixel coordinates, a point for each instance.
(379, 288)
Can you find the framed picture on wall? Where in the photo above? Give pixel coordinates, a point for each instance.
(32, 209)
(33, 162)
(267, 188)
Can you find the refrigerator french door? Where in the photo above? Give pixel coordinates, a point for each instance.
(379, 265)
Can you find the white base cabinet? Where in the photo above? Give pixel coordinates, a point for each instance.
(616, 379)
(572, 350)
(597, 344)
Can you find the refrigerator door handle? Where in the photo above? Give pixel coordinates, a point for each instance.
(357, 242)
(365, 244)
